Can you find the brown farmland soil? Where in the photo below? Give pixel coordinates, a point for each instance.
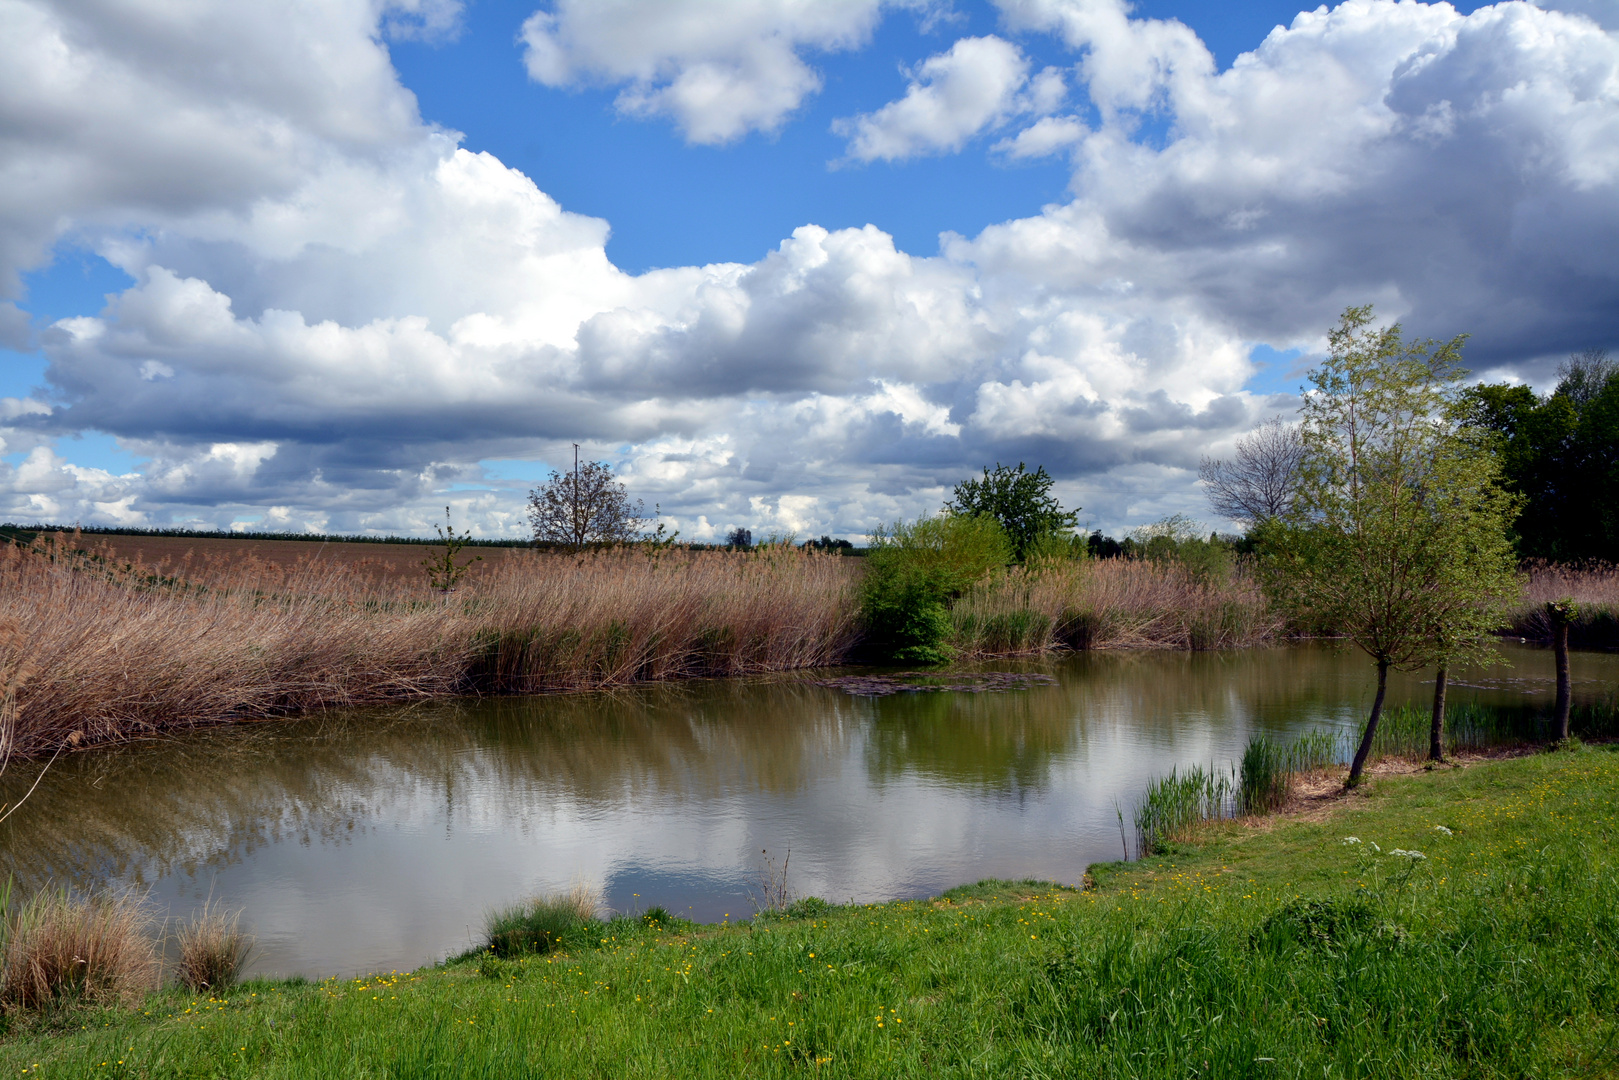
(385, 559)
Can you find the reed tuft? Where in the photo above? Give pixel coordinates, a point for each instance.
(213, 949)
(61, 948)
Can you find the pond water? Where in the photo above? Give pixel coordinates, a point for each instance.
(376, 841)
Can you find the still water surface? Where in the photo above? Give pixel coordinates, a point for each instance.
(377, 840)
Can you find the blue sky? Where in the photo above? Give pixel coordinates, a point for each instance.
(1167, 324)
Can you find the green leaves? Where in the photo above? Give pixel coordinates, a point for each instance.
(1020, 500)
(913, 573)
(1398, 537)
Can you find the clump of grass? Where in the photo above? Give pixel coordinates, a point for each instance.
(213, 949)
(543, 923)
(1175, 805)
(1264, 778)
(1268, 768)
(61, 948)
(1404, 732)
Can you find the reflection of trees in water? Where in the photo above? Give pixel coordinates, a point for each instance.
(213, 798)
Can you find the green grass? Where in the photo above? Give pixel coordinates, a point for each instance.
(1276, 950)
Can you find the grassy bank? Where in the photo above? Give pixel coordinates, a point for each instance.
(1276, 948)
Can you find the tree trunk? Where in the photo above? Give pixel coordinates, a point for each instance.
(1436, 733)
(1560, 646)
(1371, 725)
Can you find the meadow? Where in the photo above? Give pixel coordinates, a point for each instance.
(1455, 922)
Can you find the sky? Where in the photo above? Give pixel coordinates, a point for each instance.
(797, 266)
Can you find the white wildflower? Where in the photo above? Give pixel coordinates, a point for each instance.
(1442, 829)
(1376, 848)
(1351, 840)
(1408, 854)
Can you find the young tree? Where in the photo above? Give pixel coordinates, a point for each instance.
(1397, 536)
(444, 571)
(586, 506)
(1020, 500)
(913, 573)
(1561, 613)
(1257, 484)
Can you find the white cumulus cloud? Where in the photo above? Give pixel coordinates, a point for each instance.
(951, 97)
(339, 312)
(719, 70)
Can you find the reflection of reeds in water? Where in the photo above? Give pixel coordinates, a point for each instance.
(1115, 603)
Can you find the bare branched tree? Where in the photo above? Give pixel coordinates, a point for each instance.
(586, 506)
(1258, 483)
(1583, 375)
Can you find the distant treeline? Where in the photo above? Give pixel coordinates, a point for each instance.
(25, 534)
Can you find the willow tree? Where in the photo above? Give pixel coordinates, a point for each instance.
(1397, 535)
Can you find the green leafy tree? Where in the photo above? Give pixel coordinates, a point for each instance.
(1397, 535)
(1020, 500)
(915, 571)
(1561, 453)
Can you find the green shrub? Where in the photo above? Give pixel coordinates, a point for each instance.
(808, 907)
(543, 923)
(914, 573)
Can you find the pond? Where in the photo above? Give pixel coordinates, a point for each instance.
(375, 841)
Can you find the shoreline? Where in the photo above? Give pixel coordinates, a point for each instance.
(1007, 974)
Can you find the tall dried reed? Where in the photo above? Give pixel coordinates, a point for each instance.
(96, 949)
(213, 947)
(114, 650)
(1594, 587)
(1110, 604)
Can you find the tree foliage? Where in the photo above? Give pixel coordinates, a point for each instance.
(584, 507)
(1561, 453)
(1398, 533)
(1020, 500)
(914, 572)
(1257, 483)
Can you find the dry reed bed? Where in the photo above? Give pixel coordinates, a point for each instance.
(94, 650)
(1595, 587)
(1112, 604)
